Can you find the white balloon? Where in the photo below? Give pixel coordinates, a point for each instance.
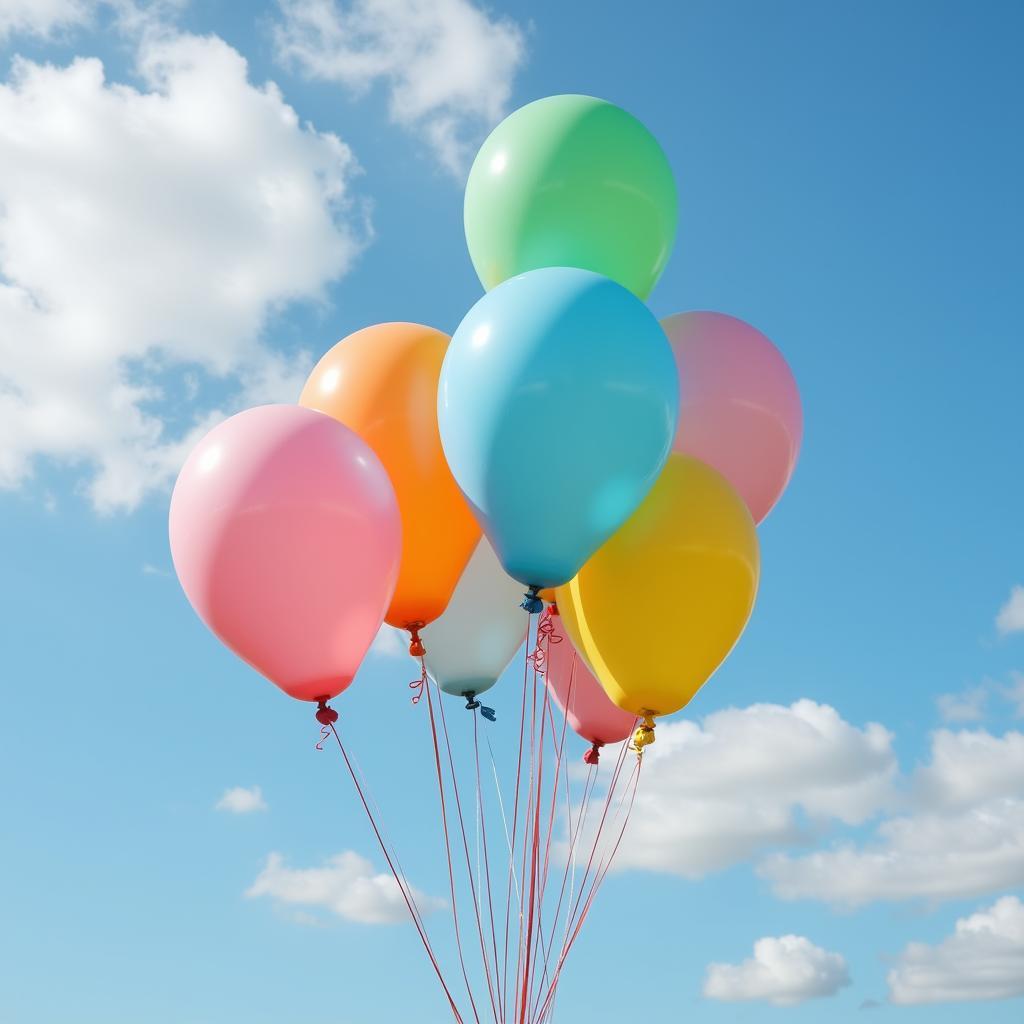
(480, 631)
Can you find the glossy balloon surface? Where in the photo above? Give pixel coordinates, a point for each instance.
(382, 383)
(739, 406)
(660, 606)
(588, 709)
(571, 181)
(557, 408)
(286, 538)
(471, 644)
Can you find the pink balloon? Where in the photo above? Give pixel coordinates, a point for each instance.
(739, 407)
(286, 538)
(589, 710)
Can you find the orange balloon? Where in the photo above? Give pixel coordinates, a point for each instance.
(381, 382)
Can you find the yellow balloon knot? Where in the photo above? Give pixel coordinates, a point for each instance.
(644, 736)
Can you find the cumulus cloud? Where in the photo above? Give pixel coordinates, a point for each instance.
(146, 235)
(447, 66)
(746, 779)
(963, 836)
(1011, 616)
(982, 960)
(346, 885)
(783, 971)
(242, 800)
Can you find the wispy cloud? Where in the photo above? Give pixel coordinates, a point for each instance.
(447, 66)
(242, 800)
(783, 971)
(346, 885)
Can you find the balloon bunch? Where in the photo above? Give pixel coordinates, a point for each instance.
(616, 467)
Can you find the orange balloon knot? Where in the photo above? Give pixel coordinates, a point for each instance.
(419, 684)
(472, 704)
(416, 648)
(531, 602)
(593, 755)
(326, 716)
(546, 636)
(644, 736)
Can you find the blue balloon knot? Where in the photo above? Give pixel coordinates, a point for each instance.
(531, 602)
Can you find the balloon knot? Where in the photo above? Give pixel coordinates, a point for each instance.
(472, 704)
(593, 755)
(531, 602)
(418, 684)
(644, 736)
(326, 717)
(416, 648)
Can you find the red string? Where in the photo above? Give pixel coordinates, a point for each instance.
(546, 636)
(406, 892)
(418, 684)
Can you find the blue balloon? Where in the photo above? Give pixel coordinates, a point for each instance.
(557, 407)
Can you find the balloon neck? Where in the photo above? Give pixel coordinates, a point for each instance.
(593, 755)
(325, 715)
(531, 600)
(472, 704)
(416, 648)
(553, 608)
(644, 736)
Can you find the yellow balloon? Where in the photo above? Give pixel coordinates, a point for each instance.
(657, 609)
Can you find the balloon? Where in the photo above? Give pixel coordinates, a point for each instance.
(578, 693)
(571, 181)
(659, 607)
(557, 409)
(739, 407)
(286, 538)
(382, 383)
(469, 646)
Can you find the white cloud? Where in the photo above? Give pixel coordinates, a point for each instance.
(963, 837)
(41, 17)
(967, 706)
(240, 800)
(346, 885)
(145, 239)
(783, 971)
(1011, 616)
(970, 767)
(447, 65)
(983, 959)
(721, 792)
(47, 18)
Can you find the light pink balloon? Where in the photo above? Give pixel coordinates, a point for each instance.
(739, 407)
(286, 538)
(589, 710)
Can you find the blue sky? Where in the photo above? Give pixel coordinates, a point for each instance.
(849, 181)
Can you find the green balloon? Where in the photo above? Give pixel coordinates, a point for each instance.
(571, 181)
